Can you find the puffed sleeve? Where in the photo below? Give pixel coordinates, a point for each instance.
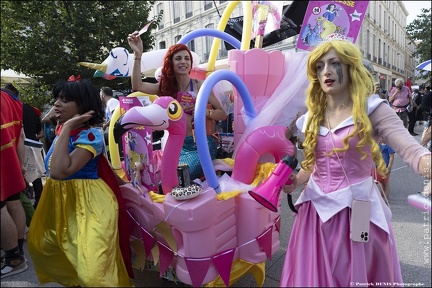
(389, 126)
(301, 126)
(91, 140)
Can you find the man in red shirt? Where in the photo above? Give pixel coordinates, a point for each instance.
(13, 219)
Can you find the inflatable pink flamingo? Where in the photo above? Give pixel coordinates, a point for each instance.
(165, 113)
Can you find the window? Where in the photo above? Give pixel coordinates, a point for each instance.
(388, 25)
(177, 38)
(176, 11)
(222, 51)
(188, 9)
(208, 5)
(379, 15)
(159, 10)
(191, 44)
(368, 42)
(162, 45)
(209, 40)
(379, 49)
(388, 53)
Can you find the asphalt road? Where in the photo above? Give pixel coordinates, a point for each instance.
(412, 229)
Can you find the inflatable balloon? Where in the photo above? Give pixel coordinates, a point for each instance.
(158, 74)
(210, 32)
(164, 113)
(268, 139)
(200, 109)
(119, 63)
(420, 201)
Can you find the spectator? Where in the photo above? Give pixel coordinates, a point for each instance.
(378, 91)
(412, 114)
(426, 104)
(33, 130)
(400, 98)
(49, 126)
(13, 218)
(388, 155)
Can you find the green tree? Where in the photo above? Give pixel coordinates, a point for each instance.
(46, 39)
(420, 29)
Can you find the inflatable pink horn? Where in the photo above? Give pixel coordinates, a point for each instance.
(267, 194)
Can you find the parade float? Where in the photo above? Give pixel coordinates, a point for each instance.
(230, 225)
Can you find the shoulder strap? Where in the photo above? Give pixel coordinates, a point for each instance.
(191, 85)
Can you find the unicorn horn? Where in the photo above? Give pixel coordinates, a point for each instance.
(102, 67)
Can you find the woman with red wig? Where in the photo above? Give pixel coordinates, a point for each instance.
(175, 81)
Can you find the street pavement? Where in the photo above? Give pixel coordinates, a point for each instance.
(412, 229)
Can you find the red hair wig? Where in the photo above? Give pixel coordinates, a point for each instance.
(168, 84)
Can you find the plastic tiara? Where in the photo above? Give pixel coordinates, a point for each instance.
(337, 36)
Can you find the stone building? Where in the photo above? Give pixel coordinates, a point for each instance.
(382, 39)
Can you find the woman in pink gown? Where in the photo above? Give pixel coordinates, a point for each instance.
(340, 150)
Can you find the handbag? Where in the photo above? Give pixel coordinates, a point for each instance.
(375, 176)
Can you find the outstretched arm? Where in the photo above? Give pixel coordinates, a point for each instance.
(136, 44)
(389, 126)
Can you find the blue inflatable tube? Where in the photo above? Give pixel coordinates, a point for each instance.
(200, 117)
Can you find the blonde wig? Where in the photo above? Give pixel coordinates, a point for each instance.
(362, 85)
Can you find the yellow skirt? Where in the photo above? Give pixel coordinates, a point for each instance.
(73, 237)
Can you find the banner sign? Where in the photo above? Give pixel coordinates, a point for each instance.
(138, 148)
(323, 18)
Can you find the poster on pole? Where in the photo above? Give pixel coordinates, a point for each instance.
(324, 18)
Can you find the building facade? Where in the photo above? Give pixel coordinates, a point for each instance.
(383, 39)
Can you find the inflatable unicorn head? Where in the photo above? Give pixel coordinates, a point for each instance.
(119, 63)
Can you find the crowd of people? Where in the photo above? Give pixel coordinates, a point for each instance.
(78, 235)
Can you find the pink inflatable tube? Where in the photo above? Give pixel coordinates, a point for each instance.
(420, 202)
(269, 139)
(200, 111)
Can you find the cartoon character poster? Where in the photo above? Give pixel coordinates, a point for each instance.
(138, 148)
(324, 18)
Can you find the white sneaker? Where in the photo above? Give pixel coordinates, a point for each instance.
(13, 266)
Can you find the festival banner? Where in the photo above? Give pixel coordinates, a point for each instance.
(323, 18)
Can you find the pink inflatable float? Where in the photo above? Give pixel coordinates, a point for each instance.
(207, 239)
(219, 236)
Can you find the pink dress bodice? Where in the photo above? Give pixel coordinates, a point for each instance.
(329, 170)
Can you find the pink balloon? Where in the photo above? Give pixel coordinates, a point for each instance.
(165, 113)
(420, 202)
(268, 139)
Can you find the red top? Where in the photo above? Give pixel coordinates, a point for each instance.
(12, 180)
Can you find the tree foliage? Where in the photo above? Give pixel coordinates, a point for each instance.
(46, 39)
(420, 29)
